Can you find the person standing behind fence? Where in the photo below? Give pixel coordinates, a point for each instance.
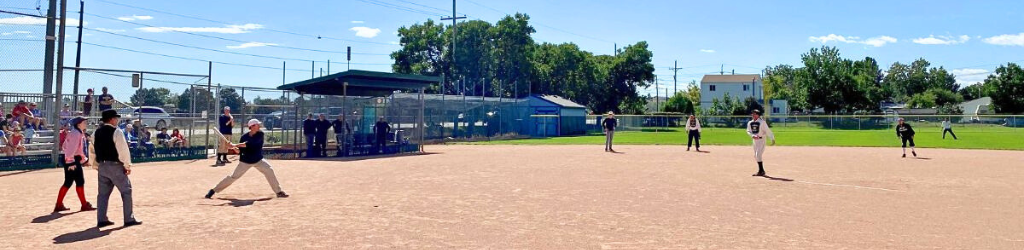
(341, 132)
(309, 131)
(609, 125)
(115, 164)
(693, 132)
(73, 148)
(106, 100)
(947, 127)
(87, 103)
(322, 126)
(381, 130)
(251, 155)
(225, 125)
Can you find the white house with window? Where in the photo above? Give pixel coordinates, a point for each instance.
(737, 86)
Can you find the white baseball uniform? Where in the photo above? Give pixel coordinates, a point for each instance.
(758, 130)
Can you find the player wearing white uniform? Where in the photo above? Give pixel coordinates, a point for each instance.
(758, 129)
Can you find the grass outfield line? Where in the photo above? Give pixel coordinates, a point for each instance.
(970, 138)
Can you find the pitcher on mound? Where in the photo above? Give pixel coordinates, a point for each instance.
(758, 129)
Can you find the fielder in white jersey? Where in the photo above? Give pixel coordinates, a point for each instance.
(758, 130)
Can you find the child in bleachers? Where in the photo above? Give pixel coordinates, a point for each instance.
(30, 133)
(163, 138)
(177, 139)
(16, 142)
(5, 143)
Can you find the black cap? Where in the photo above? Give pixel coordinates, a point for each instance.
(108, 114)
(755, 111)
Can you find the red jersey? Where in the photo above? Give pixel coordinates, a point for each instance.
(18, 110)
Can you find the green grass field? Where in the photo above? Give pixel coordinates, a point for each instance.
(930, 137)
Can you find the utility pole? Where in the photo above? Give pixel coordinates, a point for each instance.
(78, 53)
(455, 18)
(675, 71)
(54, 116)
(51, 37)
(657, 95)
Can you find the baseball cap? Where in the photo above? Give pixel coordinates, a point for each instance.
(253, 122)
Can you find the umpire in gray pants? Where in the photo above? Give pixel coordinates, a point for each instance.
(609, 125)
(115, 164)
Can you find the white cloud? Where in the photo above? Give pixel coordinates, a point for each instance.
(707, 50)
(879, 41)
(6, 34)
(393, 42)
(22, 32)
(109, 30)
(874, 41)
(942, 40)
(357, 22)
(1006, 40)
(365, 32)
(970, 76)
(134, 17)
(250, 45)
(27, 20)
(829, 38)
(230, 29)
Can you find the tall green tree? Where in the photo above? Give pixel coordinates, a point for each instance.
(513, 43)
(1006, 87)
(827, 78)
(229, 97)
(150, 97)
(204, 99)
(423, 52)
(630, 69)
(679, 103)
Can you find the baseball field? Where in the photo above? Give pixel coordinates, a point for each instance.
(987, 137)
(553, 197)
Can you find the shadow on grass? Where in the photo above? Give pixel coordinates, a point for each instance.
(241, 202)
(88, 234)
(51, 217)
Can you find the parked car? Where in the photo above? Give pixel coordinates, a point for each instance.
(281, 120)
(151, 116)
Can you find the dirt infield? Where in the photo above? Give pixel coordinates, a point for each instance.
(553, 197)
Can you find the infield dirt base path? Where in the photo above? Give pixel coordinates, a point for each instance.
(552, 197)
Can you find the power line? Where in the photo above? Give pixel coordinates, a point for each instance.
(431, 7)
(200, 48)
(226, 23)
(541, 24)
(402, 8)
(233, 40)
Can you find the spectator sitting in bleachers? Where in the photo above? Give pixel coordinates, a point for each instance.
(64, 130)
(5, 124)
(40, 121)
(144, 140)
(65, 114)
(129, 136)
(5, 144)
(177, 139)
(30, 133)
(16, 142)
(163, 138)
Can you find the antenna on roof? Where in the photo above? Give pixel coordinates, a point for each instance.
(722, 70)
(733, 71)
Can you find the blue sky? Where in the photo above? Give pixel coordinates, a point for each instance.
(969, 37)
